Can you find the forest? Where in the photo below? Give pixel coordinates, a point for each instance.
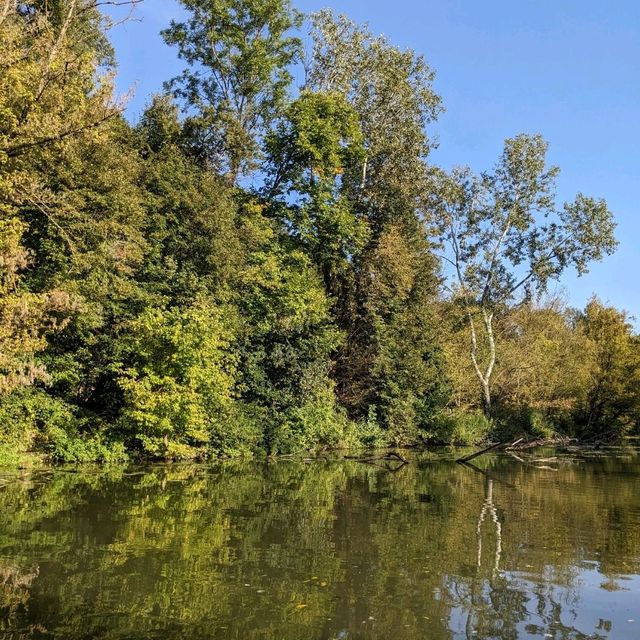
(263, 267)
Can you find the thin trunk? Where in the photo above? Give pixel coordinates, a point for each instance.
(488, 325)
(484, 377)
(486, 398)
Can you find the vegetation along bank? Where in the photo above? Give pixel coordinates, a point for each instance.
(255, 267)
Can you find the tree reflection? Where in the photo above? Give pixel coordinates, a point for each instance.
(322, 550)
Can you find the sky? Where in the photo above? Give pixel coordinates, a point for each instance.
(567, 69)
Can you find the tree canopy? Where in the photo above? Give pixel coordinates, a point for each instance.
(156, 303)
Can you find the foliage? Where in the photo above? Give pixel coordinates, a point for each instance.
(612, 402)
(504, 234)
(238, 54)
(308, 153)
(156, 303)
(33, 420)
(391, 91)
(177, 390)
(25, 317)
(288, 339)
(460, 427)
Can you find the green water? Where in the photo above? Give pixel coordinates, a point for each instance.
(325, 549)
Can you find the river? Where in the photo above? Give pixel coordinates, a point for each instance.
(326, 549)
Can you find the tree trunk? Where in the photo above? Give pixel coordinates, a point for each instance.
(483, 376)
(486, 398)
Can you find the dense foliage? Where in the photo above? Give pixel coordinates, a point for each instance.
(251, 268)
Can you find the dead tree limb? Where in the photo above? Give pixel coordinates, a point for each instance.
(543, 442)
(498, 445)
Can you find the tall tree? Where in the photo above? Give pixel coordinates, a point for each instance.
(504, 235)
(55, 88)
(405, 381)
(391, 92)
(238, 54)
(317, 138)
(287, 340)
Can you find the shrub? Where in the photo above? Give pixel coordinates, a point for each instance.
(178, 390)
(460, 427)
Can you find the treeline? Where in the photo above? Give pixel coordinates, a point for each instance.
(258, 267)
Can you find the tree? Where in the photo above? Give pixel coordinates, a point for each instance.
(317, 138)
(238, 53)
(611, 403)
(191, 219)
(55, 88)
(505, 236)
(287, 340)
(55, 76)
(25, 318)
(544, 361)
(406, 382)
(384, 364)
(391, 91)
(178, 390)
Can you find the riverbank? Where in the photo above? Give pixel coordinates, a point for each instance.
(15, 460)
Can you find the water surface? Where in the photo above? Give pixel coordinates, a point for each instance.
(326, 550)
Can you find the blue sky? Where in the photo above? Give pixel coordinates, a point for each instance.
(569, 70)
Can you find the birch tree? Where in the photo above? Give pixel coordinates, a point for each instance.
(505, 238)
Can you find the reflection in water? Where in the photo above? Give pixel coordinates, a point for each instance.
(325, 550)
(488, 506)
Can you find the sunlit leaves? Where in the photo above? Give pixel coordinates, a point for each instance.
(238, 54)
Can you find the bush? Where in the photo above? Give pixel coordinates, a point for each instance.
(368, 433)
(12, 458)
(315, 424)
(70, 447)
(33, 421)
(178, 390)
(534, 423)
(460, 428)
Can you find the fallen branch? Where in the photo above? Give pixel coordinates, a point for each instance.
(498, 445)
(543, 442)
(391, 455)
(377, 461)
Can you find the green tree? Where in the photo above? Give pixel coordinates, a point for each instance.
(318, 137)
(504, 235)
(288, 339)
(611, 404)
(406, 383)
(389, 360)
(178, 391)
(191, 216)
(56, 104)
(25, 318)
(391, 91)
(238, 53)
(543, 362)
